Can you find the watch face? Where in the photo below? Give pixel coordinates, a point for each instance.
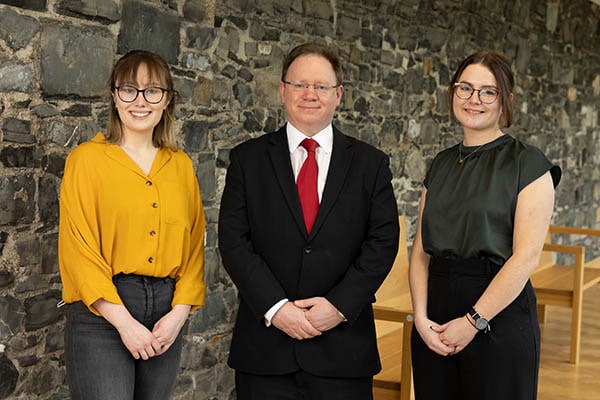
(481, 323)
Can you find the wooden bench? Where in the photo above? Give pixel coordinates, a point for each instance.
(393, 321)
(564, 285)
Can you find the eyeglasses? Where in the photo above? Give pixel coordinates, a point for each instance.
(152, 95)
(317, 87)
(486, 94)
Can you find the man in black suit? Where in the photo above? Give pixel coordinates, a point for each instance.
(306, 282)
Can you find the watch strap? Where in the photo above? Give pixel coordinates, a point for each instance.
(474, 314)
(471, 322)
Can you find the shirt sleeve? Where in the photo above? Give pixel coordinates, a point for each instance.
(533, 164)
(190, 286)
(85, 273)
(273, 310)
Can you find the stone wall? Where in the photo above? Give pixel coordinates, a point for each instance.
(226, 55)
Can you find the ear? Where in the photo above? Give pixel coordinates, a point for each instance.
(339, 91)
(282, 92)
(114, 97)
(169, 98)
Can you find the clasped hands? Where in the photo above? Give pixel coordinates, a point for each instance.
(449, 338)
(307, 318)
(143, 343)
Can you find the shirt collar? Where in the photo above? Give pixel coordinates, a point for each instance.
(324, 138)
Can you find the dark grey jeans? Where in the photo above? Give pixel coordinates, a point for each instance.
(99, 366)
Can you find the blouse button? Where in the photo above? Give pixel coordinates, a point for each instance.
(152, 233)
(151, 260)
(148, 183)
(154, 205)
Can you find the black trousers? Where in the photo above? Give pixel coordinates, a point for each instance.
(301, 385)
(497, 365)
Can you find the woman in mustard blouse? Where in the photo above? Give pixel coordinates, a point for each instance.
(131, 242)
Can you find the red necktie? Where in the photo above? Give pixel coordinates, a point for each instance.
(307, 184)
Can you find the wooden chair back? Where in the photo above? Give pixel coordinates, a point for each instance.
(397, 280)
(393, 321)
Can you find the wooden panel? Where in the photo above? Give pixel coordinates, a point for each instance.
(390, 351)
(397, 280)
(401, 300)
(560, 278)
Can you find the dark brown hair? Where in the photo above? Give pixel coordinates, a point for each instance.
(499, 65)
(316, 49)
(125, 71)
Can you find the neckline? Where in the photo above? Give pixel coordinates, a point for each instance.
(486, 146)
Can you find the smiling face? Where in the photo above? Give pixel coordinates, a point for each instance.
(139, 116)
(472, 114)
(309, 111)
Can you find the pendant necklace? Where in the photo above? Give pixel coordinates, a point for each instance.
(462, 159)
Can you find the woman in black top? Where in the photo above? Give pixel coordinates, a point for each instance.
(484, 213)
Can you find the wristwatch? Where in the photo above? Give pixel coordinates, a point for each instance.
(480, 323)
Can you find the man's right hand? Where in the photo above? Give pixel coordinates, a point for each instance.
(291, 320)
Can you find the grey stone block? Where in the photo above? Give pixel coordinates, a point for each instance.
(16, 29)
(75, 60)
(150, 28)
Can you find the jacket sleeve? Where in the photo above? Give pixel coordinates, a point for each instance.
(377, 251)
(256, 284)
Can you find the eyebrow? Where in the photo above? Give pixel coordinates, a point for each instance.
(483, 86)
(137, 84)
(303, 82)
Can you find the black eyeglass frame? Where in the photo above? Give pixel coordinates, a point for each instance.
(473, 90)
(143, 92)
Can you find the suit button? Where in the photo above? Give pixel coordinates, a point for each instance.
(308, 250)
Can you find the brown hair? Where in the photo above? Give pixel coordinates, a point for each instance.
(316, 49)
(125, 70)
(499, 65)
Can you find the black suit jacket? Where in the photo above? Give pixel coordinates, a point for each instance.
(269, 256)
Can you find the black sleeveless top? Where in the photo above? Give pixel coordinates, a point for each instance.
(470, 207)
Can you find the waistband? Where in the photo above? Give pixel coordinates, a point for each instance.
(485, 267)
(140, 278)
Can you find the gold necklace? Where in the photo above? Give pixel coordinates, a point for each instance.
(460, 157)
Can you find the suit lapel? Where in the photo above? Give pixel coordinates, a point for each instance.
(341, 158)
(280, 158)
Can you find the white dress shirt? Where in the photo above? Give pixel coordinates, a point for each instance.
(297, 155)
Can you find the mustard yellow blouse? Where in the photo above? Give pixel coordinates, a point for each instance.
(116, 219)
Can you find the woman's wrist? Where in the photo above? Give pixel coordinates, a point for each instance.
(472, 323)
